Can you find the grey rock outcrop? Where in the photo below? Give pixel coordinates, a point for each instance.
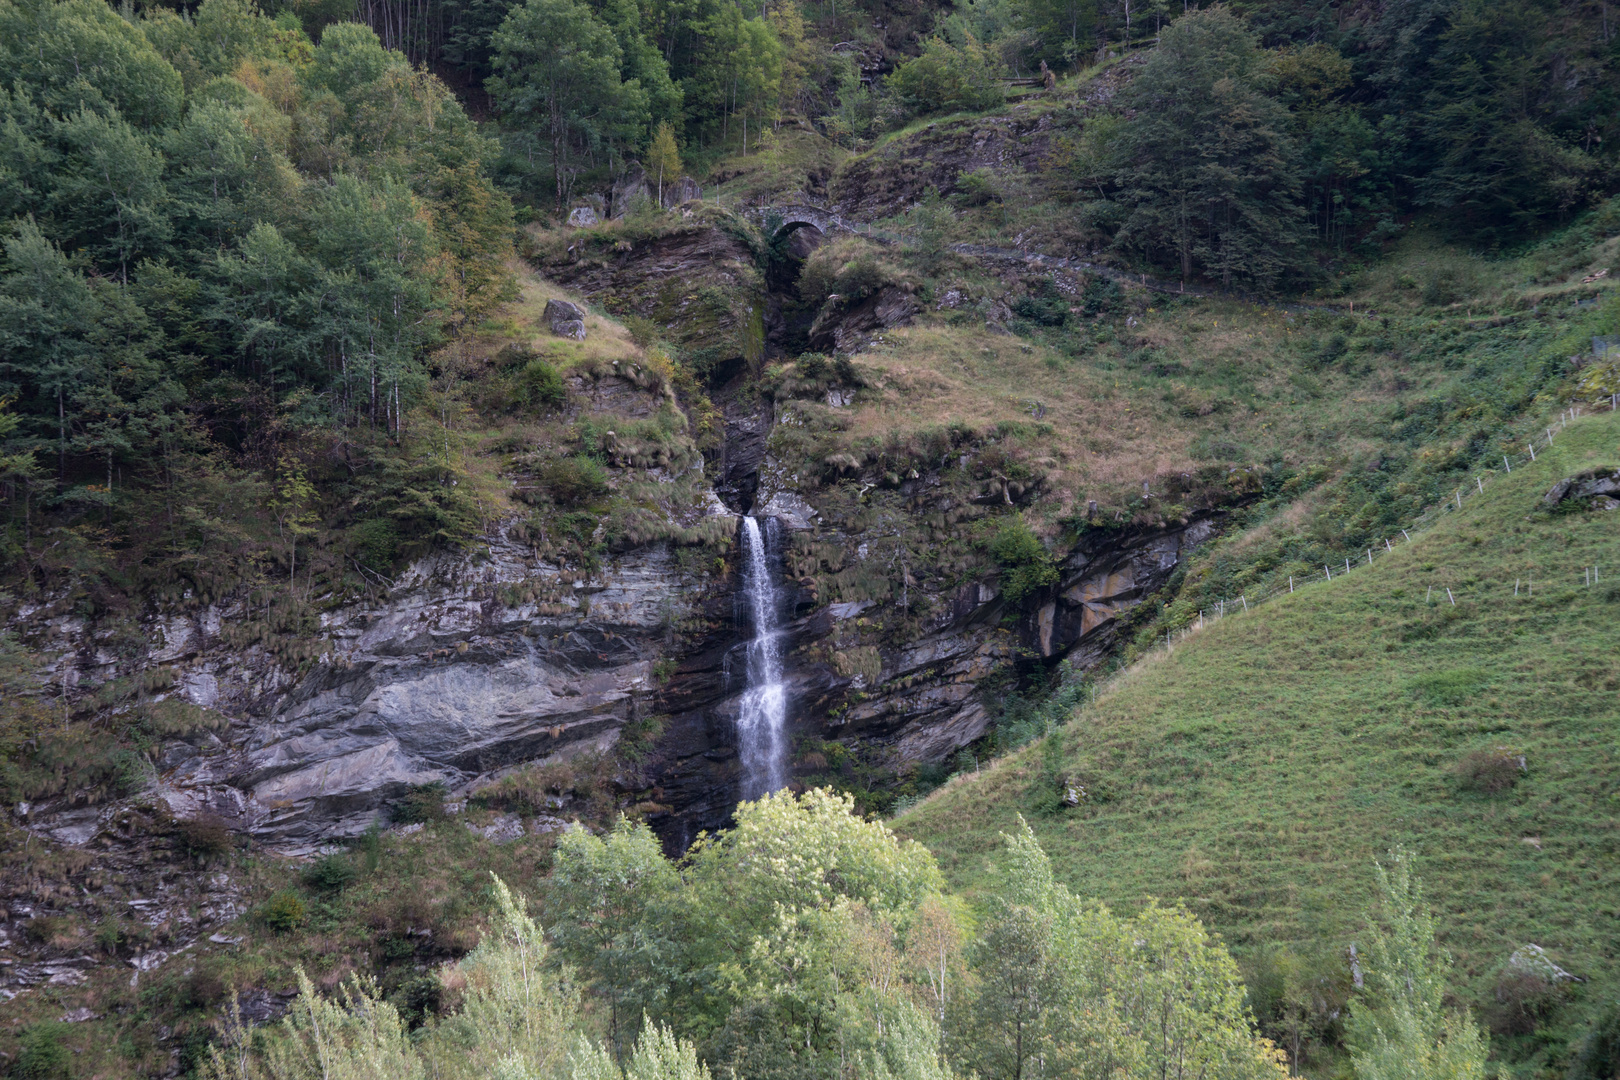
(848, 329)
(566, 319)
(630, 191)
(1602, 487)
(680, 191)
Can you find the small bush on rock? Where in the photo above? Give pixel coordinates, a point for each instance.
(420, 803)
(205, 836)
(1026, 565)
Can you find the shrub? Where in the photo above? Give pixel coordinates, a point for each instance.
(203, 989)
(541, 385)
(1026, 565)
(1043, 304)
(643, 331)
(329, 873)
(421, 802)
(1523, 1000)
(849, 266)
(1333, 347)
(42, 1056)
(375, 542)
(977, 188)
(1102, 296)
(1491, 771)
(572, 481)
(1598, 1055)
(205, 836)
(945, 79)
(284, 912)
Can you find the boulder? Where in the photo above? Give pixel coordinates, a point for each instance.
(683, 190)
(582, 217)
(630, 191)
(1601, 486)
(566, 319)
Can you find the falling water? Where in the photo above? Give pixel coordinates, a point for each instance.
(764, 702)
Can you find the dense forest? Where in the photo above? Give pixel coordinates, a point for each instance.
(233, 234)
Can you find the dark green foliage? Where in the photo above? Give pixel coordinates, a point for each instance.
(1208, 166)
(1043, 304)
(329, 873)
(542, 385)
(418, 999)
(376, 542)
(558, 70)
(1597, 1055)
(43, 1056)
(1025, 563)
(1102, 296)
(420, 803)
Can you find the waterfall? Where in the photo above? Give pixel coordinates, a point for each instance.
(762, 715)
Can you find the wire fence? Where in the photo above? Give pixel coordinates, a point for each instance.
(1347, 563)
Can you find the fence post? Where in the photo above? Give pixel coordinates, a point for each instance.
(1532, 448)
(1328, 572)
(1453, 599)
(1505, 464)
(1407, 535)
(1479, 484)
(1290, 582)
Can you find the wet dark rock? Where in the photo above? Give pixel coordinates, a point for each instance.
(848, 329)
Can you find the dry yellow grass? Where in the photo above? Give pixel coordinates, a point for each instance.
(1201, 383)
(523, 321)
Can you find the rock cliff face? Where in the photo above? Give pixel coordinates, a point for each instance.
(699, 283)
(888, 180)
(473, 666)
(476, 664)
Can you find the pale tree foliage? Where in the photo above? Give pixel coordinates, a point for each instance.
(805, 941)
(518, 1021)
(1065, 987)
(934, 949)
(356, 1037)
(515, 1005)
(1399, 1028)
(659, 1055)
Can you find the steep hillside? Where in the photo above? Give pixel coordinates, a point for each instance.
(1258, 769)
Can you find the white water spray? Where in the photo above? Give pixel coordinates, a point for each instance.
(763, 712)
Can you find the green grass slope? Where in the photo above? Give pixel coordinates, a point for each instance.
(1259, 770)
